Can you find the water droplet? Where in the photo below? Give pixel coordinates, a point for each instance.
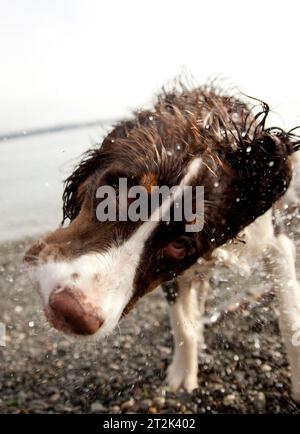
(215, 316)
(256, 344)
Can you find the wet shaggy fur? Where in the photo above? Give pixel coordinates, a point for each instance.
(227, 132)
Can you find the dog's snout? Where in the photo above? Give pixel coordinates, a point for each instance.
(69, 311)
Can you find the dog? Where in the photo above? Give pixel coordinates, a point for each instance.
(91, 273)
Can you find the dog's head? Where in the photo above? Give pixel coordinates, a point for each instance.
(92, 272)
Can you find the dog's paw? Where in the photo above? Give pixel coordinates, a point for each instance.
(177, 378)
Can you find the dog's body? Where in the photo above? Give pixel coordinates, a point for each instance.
(262, 241)
(91, 273)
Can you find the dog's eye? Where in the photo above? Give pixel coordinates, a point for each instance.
(177, 249)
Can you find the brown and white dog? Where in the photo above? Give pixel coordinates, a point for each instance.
(91, 273)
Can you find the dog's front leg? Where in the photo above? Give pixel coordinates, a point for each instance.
(281, 263)
(187, 331)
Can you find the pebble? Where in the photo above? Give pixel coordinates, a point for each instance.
(97, 407)
(152, 410)
(128, 404)
(174, 403)
(159, 401)
(55, 397)
(266, 368)
(217, 386)
(229, 400)
(145, 404)
(259, 400)
(115, 409)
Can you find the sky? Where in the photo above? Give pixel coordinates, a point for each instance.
(77, 60)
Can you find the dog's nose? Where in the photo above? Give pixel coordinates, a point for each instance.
(70, 312)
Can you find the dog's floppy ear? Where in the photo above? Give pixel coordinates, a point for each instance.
(268, 149)
(76, 184)
(263, 169)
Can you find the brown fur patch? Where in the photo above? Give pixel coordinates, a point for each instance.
(149, 180)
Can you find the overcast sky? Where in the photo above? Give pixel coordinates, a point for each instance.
(70, 60)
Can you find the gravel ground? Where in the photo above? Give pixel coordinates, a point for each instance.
(243, 369)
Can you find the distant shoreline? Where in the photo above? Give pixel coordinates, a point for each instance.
(54, 129)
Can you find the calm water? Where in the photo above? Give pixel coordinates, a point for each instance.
(31, 173)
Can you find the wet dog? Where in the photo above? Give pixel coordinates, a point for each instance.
(91, 273)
